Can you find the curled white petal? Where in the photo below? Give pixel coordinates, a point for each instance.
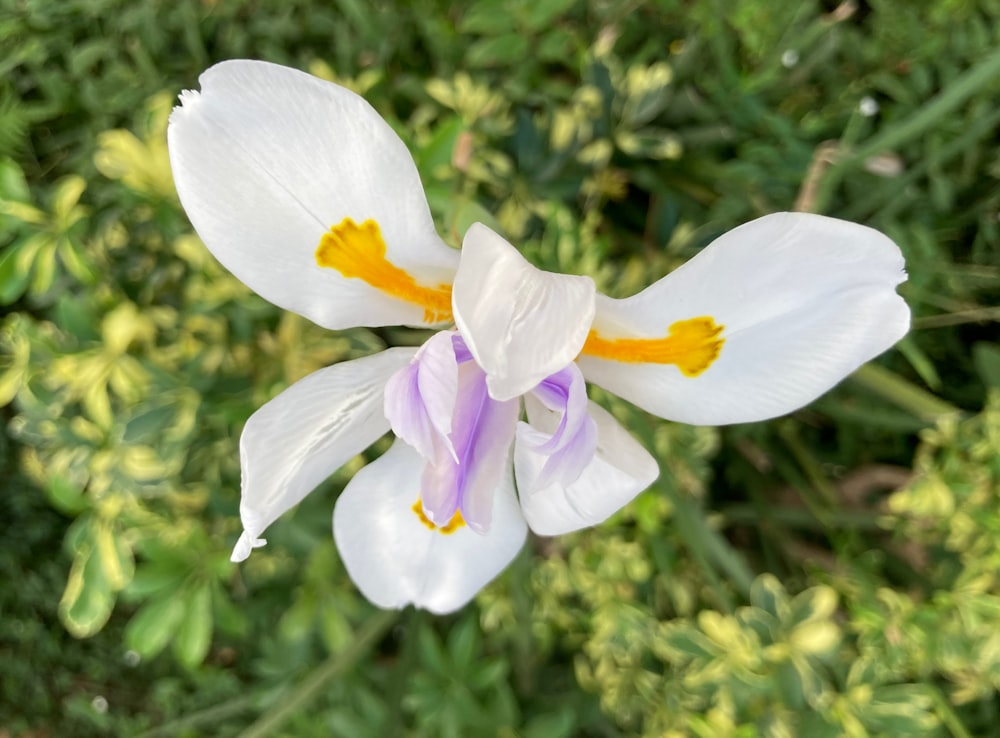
(803, 300)
(520, 323)
(618, 472)
(303, 435)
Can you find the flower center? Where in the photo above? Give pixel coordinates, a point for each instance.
(358, 251)
(691, 345)
(439, 404)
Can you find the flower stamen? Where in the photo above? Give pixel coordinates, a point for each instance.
(358, 251)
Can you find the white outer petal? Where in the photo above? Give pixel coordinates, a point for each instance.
(266, 159)
(804, 299)
(396, 560)
(303, 435)
(620, 470)
(520, 323)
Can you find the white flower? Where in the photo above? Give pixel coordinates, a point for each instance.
(301, 190)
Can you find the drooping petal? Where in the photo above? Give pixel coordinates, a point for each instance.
(482, 434)
(620, 469)
(397, 557)
(420, 398)
(303, 192)
(303, 435)
(520, 323)
(764, 320)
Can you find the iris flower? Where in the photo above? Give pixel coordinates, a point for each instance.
(304, 193)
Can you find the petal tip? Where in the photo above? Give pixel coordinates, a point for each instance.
(244, 546)
(188, 99)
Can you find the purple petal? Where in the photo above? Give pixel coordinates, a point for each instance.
(572, 444)
(462, 353)
(420, 397)
(482, 433)
(439, 487)
(438, 380)
(566, 464)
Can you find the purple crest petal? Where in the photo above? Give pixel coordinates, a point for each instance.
(573, 444)
(420, 397)
(462, 353)
(482, 433)
(440, 405)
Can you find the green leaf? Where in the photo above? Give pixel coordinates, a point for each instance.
(817, 603)
(554, 725)
(66, 497)
(145, 425)
(13, 186)
(688, 641)
(767, 594)
(437, 152)
(13, 278)
(297, 622)
(334, 627)
(155, 623)
(464, 213)
(487, 18)
(66, 196)
(76, 316)
(154, 578)
(117, 562)
(558, 45)
(463, 645)
(76, 262)
(44, 269)
(543, 13)
(194, 634)
(986, 357)
(431, 653)
(498, 51)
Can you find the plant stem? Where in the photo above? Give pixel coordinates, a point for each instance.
(210, 716)
(903, 394)
(708, 544)
(946, 712)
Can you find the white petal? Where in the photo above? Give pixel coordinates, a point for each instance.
(396, 559)
(804, 301)
(303, 435)
(520, 323)
(620, 470)
(266, 159)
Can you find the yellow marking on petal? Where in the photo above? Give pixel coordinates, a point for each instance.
(692, 345)
(358, 251)
(456, 522)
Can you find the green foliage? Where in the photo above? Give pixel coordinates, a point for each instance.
(832, 573)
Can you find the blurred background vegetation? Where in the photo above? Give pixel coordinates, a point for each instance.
(833, 573)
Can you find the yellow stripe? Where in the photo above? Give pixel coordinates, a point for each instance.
(358, 251)
(692, 345)
(456, 522)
